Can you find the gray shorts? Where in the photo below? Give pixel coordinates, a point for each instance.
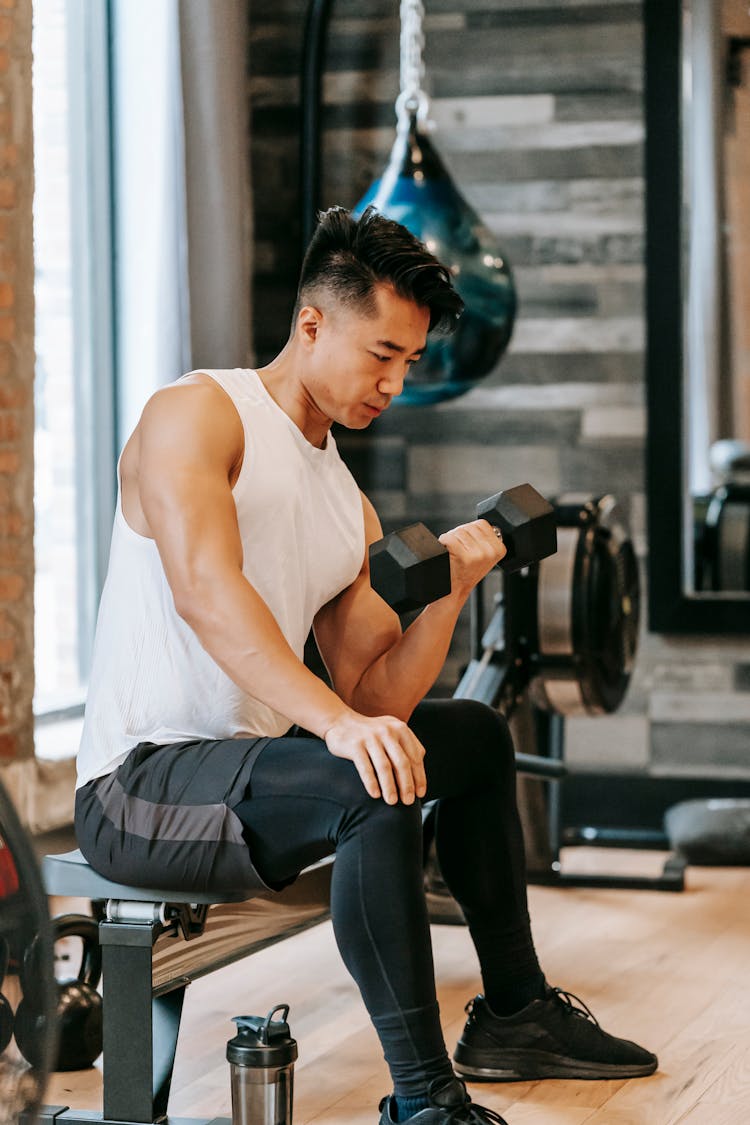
(164, 817)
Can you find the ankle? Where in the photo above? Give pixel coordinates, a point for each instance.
(406, 1107)
(512, 997)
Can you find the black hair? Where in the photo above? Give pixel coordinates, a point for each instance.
(348, 257)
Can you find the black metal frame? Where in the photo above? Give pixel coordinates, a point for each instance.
(499, 674)
(551, 735)
(136, 1083)
(671, 609)
(144, 990)
(140, 1035)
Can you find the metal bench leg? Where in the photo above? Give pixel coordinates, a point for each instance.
(140, 1031)
(140, 1039)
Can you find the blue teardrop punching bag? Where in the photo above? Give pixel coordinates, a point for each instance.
(417, 191)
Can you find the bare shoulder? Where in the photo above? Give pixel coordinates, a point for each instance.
(191, 420)
(196, 403)
(186, 427)
(373, 527)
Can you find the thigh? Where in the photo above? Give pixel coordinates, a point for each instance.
(301, 766)
(163, 818)
(467, 745)
(295, 807)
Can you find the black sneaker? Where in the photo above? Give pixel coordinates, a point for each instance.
(449, 1105)
(549, 1038)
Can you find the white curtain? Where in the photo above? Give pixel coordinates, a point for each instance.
(181, 193)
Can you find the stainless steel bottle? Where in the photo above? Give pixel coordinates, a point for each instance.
(261, 1058)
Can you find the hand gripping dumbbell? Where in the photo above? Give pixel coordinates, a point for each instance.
(411, 568)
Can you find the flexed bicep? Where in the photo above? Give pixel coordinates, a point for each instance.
(357, 628)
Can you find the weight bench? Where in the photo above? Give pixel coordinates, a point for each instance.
(154, 943)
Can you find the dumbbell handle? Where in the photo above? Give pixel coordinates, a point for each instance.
(410, 568)
(527, 523)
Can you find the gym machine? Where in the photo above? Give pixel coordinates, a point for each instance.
(721, 522)
(559, 639)
(561, 634)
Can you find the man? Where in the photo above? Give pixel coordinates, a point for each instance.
(237, 529)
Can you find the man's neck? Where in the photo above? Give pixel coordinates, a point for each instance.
(282, 381)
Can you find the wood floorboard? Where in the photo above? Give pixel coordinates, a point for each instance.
(668, 970)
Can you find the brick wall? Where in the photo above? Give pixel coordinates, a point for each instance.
(539, 105)
(16, 384)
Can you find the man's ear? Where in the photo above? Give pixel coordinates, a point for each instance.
(308, 324)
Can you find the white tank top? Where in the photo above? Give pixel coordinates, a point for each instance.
(302, 526)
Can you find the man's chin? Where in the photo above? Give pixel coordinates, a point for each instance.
(356, 420)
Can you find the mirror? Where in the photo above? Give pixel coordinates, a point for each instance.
(716, 274)
(698, 313)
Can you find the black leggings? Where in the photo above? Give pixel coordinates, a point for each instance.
(303, 803)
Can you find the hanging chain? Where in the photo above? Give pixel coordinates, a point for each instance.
(412, 101)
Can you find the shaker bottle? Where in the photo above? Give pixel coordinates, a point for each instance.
(261, 1058)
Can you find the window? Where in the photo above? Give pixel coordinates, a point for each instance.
(74, 392)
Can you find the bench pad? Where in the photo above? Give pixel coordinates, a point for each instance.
(69, 874)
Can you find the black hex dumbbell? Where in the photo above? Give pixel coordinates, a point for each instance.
(527, 523)
(410, 568)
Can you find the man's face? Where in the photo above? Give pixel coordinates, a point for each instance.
(359, 363)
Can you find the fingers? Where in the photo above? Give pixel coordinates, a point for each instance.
(367, 774)
(417, 757)
(475, 545)
(413, 763)
(497, 535)
(388, 756)
(384, 769)
(398, 762)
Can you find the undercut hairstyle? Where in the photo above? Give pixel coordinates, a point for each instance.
(347, 258)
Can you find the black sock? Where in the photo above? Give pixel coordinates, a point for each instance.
(407, 1107)
(512, 996)
(511, 974)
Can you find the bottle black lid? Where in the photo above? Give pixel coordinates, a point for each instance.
(262, 1041)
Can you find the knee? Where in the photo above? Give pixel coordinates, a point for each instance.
(344, 785)
(483, 722)
(488, 734)
(348, 791)
(384, 825)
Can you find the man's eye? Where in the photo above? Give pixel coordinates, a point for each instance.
(381, 358)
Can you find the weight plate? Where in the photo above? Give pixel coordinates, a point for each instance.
(732, 543)
(726, 539)
(587, 611)
(563, 696)
(556, 595)
(6, 1026)
(24, 914)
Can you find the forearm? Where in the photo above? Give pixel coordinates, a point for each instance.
(235, 626)
(400, 678)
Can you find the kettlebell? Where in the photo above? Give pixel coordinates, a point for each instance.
(79, 1005)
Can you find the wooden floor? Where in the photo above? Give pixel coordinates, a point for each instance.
(669, 970)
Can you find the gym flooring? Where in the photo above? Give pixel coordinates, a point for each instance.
(667, 969)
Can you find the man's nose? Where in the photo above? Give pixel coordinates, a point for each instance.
(392, 383)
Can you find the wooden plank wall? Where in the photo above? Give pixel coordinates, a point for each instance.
(539, 113)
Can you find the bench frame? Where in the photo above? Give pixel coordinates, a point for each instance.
(145, 975)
